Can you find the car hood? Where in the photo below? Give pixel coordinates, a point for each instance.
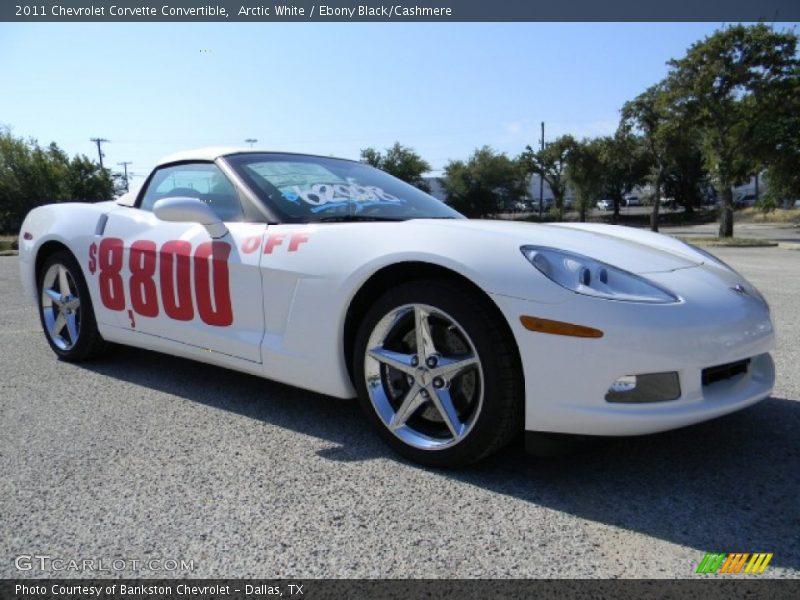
(634, 250)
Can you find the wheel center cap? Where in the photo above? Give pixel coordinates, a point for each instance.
(424, 376)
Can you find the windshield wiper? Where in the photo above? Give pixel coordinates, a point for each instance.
(353, 218)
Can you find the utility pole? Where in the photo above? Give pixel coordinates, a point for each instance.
(99, 141)
(541, 180)
(125, 164)
(251, 141)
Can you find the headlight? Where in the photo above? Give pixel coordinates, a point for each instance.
(590, 277)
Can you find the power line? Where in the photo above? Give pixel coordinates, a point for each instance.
(99, 141)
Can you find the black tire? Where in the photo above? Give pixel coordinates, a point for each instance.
(500, 415)
(89, 343)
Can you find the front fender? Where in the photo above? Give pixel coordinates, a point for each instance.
(71, 225)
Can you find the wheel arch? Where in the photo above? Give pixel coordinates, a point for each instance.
(389, 276)
(45, 251)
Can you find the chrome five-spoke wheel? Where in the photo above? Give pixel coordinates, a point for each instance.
(438, 373)
(65, 308)
(424, 376)
(61, 306)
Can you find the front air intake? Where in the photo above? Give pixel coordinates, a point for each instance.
(726, 371)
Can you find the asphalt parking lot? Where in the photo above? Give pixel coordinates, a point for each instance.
(141, 455)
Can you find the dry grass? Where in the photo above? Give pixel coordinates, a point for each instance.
(8, 245)
(779, 215)
(734, 242)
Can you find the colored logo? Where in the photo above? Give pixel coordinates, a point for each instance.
(735, 562)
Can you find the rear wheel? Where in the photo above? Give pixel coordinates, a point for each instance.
(437, 375)
(65, 309)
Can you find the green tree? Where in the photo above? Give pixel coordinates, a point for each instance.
(372, 157)
(652, 115)
(585, 173)
(783, 186)
(87, 182)
(685, 178)
(550, 164)
(31, 176)
(402, 162)
(626, 165)
(485, 184)
(778, 139)
(729, 86)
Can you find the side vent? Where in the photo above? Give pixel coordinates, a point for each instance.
(101, 224)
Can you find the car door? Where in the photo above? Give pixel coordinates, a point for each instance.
(172, 280)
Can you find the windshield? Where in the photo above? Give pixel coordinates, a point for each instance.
(307, 189)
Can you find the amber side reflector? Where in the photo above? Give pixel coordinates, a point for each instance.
(559, 327)
(27, 235)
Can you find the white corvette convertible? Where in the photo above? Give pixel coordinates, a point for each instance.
(455, 334)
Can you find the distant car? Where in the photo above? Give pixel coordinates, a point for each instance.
(666, 202)
(521, 206)
(632, 201)
(670, 203)
(547, 204)
(455, 334)
(745, 201)
(605, 204)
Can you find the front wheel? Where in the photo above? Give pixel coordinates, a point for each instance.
(437, 374)
(65, 309)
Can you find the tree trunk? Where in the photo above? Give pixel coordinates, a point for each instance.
(583, 212)
(617, 201)
(726, 212)
(656, 206)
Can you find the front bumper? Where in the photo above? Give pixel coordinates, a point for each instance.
(566, 378)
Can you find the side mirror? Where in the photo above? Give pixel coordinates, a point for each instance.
(190, 210)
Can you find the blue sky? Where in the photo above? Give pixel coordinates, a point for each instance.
(325, 88)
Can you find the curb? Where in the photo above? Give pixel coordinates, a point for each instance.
(764, 245)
